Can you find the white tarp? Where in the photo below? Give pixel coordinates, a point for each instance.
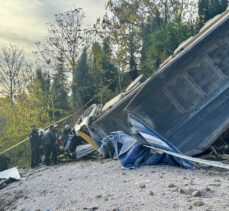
(10, 173)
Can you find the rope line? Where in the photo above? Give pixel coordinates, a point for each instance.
(26, 139)
(61, 120)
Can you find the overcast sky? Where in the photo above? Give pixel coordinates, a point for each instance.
(22, 22)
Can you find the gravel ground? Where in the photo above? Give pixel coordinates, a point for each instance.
(92, 185)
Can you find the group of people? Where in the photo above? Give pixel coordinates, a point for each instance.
(50, 143)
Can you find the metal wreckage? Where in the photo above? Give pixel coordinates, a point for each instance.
(171, 118)
(177, 113)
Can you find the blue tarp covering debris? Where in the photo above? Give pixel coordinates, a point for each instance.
(130, 149)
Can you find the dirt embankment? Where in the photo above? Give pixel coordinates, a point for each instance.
(91, 185)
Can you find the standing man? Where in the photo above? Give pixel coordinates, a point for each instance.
(50, 145)
(35, 141)
(41, 134)
(66, 133)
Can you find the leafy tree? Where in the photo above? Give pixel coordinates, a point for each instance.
(35, 107)
(38, 104)
(96, 70)
(26, 91)
(207, 9)
(169, 24)
(43, 78)
(59, 91)
(95, 76)
(122, 28)
(32, 109)
(164, 41)
(103, 73)
(82, 83)
(152, 24)
(129, 23)
(110, 72)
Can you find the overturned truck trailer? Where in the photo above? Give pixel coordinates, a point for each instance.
(187, 99)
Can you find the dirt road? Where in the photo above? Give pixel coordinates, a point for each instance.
(92, 185)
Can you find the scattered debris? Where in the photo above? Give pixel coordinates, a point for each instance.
(142, 186)
(171, 185)
(215, 184)
(180, 190)
(10, 173)
(92, 208)
(151, 193)
(8, 176)
(116, 209)
(198, 203)
(190, 207)
(196, 193)
(208, 189)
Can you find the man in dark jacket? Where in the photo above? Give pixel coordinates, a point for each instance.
(49, 140)
(35, 141)
(66, 133)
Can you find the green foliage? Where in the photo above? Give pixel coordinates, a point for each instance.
(44, 81)
(59, 92)
(163, 41)
(31, 108)
(81, 85)
(207, 9)
(110, 72)
(20, 116)
(123, 27)
(59, 97)
(95, 77)
(152, 24)
(168, 24)
(103, 72)
(2, 124)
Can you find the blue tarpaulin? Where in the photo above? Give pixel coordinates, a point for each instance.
(129, 149)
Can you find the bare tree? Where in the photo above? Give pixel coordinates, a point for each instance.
(14, 72)
(65, 37)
